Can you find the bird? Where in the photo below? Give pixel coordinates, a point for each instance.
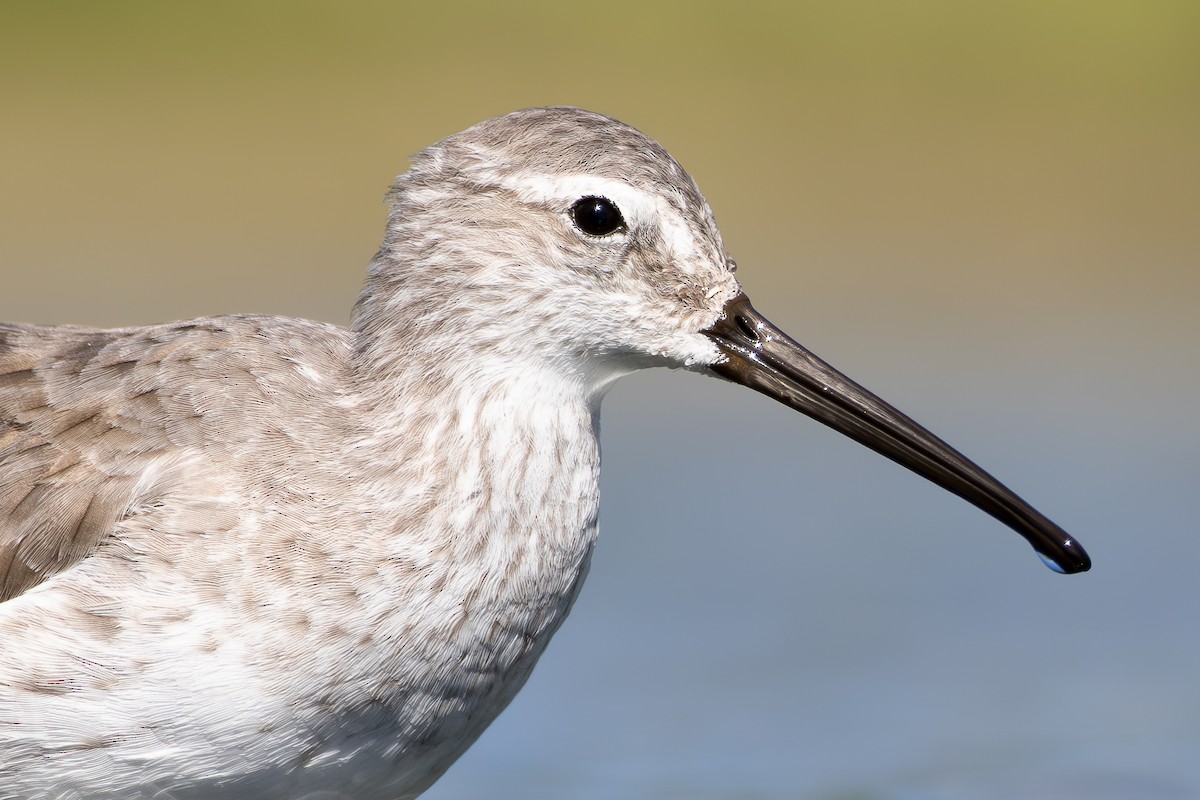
(261, 557)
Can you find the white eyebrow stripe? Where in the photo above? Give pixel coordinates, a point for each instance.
(638, 206)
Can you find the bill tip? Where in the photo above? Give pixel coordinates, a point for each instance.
(1079, 560)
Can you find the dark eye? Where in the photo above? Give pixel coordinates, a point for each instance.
(597, 216)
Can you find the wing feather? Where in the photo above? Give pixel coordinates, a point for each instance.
(91, 418)
(72, 443)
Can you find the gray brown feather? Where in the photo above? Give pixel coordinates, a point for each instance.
(84, 413)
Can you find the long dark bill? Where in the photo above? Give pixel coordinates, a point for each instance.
(762, 357)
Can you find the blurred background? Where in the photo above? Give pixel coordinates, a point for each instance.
(987, 213)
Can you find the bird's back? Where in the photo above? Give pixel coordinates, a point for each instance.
(88, 416)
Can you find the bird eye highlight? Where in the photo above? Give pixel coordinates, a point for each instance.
(597, 216)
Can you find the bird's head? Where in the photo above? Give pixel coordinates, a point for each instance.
(558, 239)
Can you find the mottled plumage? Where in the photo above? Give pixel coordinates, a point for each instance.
(257, 557)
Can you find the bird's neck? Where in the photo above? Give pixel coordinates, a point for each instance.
(489, 537)
(489, 474)
(509, 440)
(489, 448)
(503, 423)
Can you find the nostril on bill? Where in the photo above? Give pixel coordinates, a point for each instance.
(747, 327)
